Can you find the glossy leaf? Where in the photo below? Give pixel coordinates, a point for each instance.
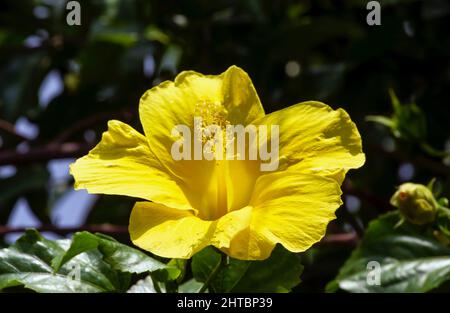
(204, 263)
(121, 257)
(279, 273)
(190, 286)
(410, 259)
(143, 286)
(28, 263)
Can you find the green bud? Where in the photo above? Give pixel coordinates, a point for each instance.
(416, 203)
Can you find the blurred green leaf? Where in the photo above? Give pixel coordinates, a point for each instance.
(443, 221)
(30, 182)
(171, 59)
(126, 39)
(19, 93)
(408, 122)
(383, 120)
(153, 33)
(24, 180)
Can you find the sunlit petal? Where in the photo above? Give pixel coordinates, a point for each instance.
(122, 164)
(288, 208)
(316, 139)
(175, 233)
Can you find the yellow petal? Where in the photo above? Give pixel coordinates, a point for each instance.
(229, 96)
(122, 164)
(240, 97)
(316, 139)
(173, 233)
(289, 208)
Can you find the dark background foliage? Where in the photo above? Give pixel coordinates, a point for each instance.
(293, 50)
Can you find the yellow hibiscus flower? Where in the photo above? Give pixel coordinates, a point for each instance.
(230, 204)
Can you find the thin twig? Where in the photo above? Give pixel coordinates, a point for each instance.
(90, 121)
(155, 283)
(342, 239)
(10, 128)
(104, 228)
(43, 154)
(431, 165)
(381, 204)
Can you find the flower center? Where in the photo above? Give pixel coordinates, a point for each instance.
(211, 113)
(214, 114)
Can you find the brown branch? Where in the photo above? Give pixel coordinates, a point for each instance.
(105, 229)
(42, 154)
(379, 203)
(10, 128)
(433, 166)
(59, 148)
(90, 121)
(54, 43)
(345, 239)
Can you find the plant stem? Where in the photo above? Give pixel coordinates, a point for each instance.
(434, 152)
(155, 284)
(213, 274)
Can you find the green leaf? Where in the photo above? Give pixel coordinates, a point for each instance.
(410, 259)
(204, 263)
(143, 286)
(180, 265)
(279, 273)
(443, 202)
(190, 286)
(231, 276)
(380, 119)
(28, 263)
(443, 221)
(153, 33)
(409, 121)
(19, 93)
(396, 105)
(121, 257)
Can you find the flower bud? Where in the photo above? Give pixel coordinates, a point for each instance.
(416, 203)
